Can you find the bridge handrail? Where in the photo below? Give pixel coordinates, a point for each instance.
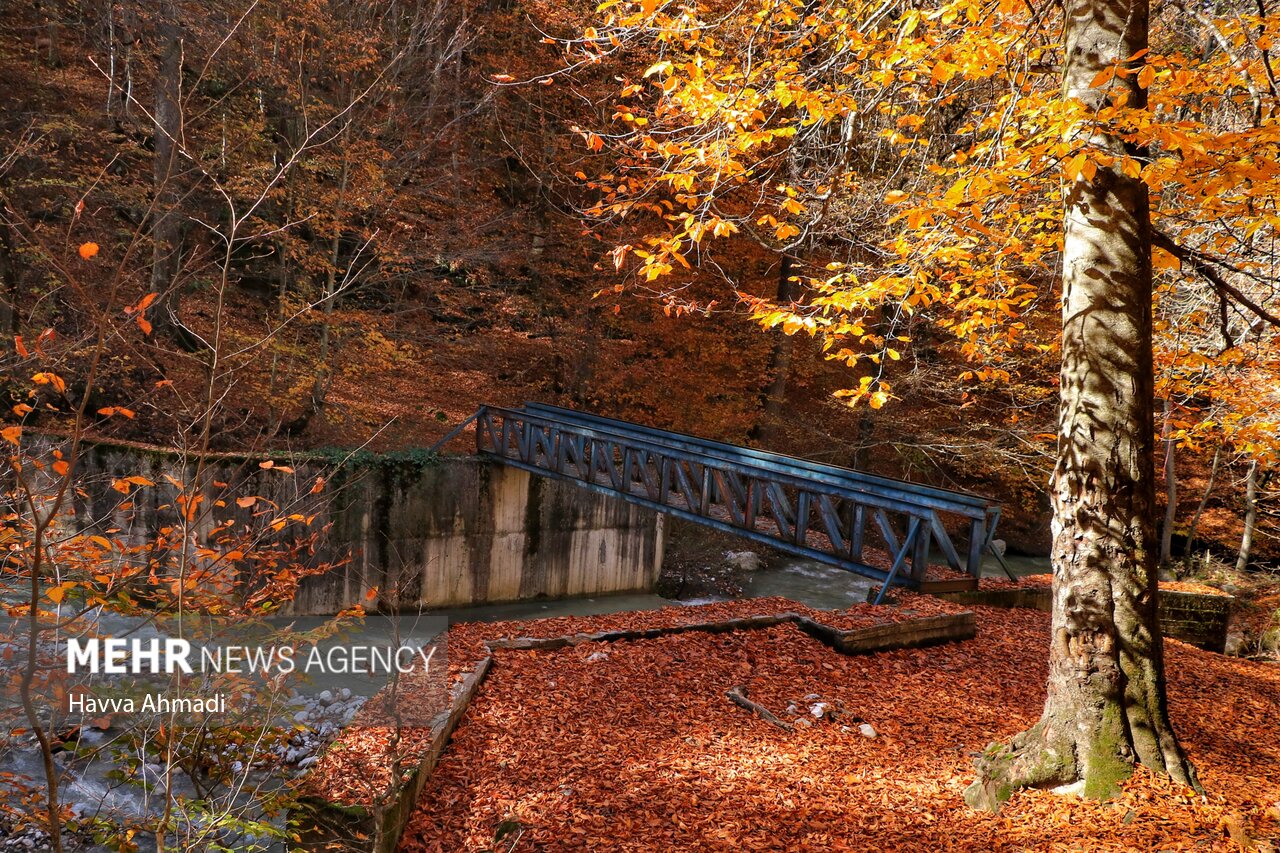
(798, 479)
(780, 477)
(915, 494)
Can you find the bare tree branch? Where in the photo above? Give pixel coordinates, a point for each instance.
(1204, 265)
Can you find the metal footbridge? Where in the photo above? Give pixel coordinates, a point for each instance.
(827, 513)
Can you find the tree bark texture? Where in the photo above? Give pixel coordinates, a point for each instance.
(1250, 517)
(1106, 706)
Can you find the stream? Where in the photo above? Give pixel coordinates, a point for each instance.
(825, 587)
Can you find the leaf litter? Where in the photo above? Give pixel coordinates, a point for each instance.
(639, 749)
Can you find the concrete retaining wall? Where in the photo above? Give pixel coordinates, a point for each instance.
(1200, 620)
(425, 532)
(469, 531)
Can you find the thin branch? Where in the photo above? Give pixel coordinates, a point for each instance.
(1203, 264)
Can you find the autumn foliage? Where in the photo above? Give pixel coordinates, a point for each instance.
(912, 161)
(300, 224)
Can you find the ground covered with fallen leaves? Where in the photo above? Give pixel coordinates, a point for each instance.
(466, 640)
(1044, 581)
(357, 767)
(633, 746)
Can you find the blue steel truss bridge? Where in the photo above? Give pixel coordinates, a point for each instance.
(834, 515)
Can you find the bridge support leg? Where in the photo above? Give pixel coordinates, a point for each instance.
(992, 521)
(901, 557)
(920, 556)
(977, 546)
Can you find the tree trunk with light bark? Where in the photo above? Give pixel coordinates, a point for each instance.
(1106, 708)
(1170, 485)
(166, 223)
(1250, 517)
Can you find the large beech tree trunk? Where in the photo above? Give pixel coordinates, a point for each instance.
(1106, 705)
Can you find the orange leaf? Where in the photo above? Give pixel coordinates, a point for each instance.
(20, 346)
(1073, 166)
(1103, 77)
(144, 325)
(1162, 260)
(88, 250)
(50, 379)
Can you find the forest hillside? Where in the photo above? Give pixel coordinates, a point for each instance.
(362, 221)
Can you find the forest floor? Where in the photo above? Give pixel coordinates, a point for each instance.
(634, 746)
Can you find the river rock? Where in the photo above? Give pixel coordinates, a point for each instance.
(747, 561)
